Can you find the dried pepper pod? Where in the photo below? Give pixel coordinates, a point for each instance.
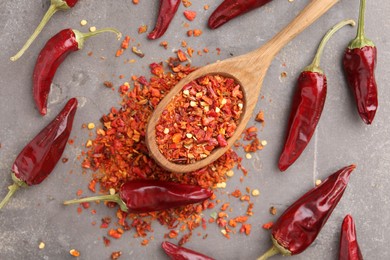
(141, 196)
(181, 253)
(307, 105)
(39, 157)
(297, 228)
(349, 247)
(51, 57)
(168, 9)
(56, 5)
(230, 9)
(359, 65)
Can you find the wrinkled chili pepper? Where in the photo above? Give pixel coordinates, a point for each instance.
(359, 65)
(51, 57)
(141, 196)
(349, 247)
(299, 225)
(168, 9)
(181, 253)
(39, 157)
(307, 105)
(56, 5)
(230, 9)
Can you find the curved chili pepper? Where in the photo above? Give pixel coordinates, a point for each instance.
(230, 9)
(143, 196)
(359, 65)
(51, 57)
(168, 9)
(181, 253)
(297, 228)
(349, 247)
(39, 157)
(56, 5)
(307, 105)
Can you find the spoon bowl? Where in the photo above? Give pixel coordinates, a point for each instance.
(248, 70)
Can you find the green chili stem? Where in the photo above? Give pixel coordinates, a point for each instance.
(271, 252)
(12, 189)
(360, 41)
(81, 37)
(55, 6)
(315, 65)
(113, 198)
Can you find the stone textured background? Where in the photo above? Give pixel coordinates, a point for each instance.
(36, 214)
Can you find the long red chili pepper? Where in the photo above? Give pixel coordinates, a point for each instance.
(230, 9)
(56, 5)
(359, 65)
(349, 247)
(307, 105)
(51, 57)
(181, 253)
(142, 196)
(168, 9)
(299, 225)
(39, 157)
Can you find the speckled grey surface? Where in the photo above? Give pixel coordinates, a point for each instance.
(36, 214)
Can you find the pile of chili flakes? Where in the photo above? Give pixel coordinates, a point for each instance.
(119, 154)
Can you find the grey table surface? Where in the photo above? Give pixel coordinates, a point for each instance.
(36, 214)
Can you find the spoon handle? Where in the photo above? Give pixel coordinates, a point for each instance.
(314, 10)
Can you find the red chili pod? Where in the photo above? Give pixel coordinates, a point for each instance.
(39, 157)
(181, 253)
(51, 57)
(359, 65)
(168, 9)
(56, 5)
(349, 247)
(230, 9)
(297, 228)
(141, 196)
(307, 105)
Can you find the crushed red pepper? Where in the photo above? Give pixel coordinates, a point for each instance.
(199, 119)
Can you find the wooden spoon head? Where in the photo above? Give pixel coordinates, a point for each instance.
(250, 79)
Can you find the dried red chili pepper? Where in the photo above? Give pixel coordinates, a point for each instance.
(168, 9)
(56, 5)
(39, 157)
(349, 247)
(181, 253)
(230, 9)
(307, 105)
(51, 57)
(359, 65)
(299, 225)
(142, 196)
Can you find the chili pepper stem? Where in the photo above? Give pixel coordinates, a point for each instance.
(113, 198)
(271, 252)
(315, 65)
(361, 40)
(55, 6)
(12, 189)
(81, 37)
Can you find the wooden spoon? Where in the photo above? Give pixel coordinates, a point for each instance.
(248, 70)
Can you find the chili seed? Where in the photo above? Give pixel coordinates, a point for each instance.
(318, 182)
(255, 192)
(230, 173)
(83, 22)
(92, 29)
(248, 156)
(91, 126)
(41, 245)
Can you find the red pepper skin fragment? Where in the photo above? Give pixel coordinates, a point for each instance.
(349, 247)
(308, 103)
(168, 9)
(230, 9)
(297, 228)
(71, 3)
(50, 58)
(39, 157)
(181, 253)
(141, 196)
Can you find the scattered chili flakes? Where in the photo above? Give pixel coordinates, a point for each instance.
(206, 7)
(164, 44)
(142, 29)
(117, 254)
(74, 252)
(245, 198)
(173, 234)
(236, 193)
(183, 44)
(119, 52)
(246, 228)
(65, 160)
(189, 15)
(197, 32)
(137, 52)
(260, 116)
(114, 233)
(225, 206)
(145, 242)
(268, 225)
(181, 55)
(190, 51)
(106, 241)
(108, 84)
(272, 210)
(186, 3)
(125, 42)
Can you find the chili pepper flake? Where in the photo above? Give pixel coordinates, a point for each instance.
(181, 55)
(246, 228)
(137, 52)
(135, 2)
(117, 254)
(272, 210)
(236, 193)
(74, 252)
(142, 29)
(186, 3)
(268, 225)
(189, 15)
(125, 42)
(164, 44)
(197, 32)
